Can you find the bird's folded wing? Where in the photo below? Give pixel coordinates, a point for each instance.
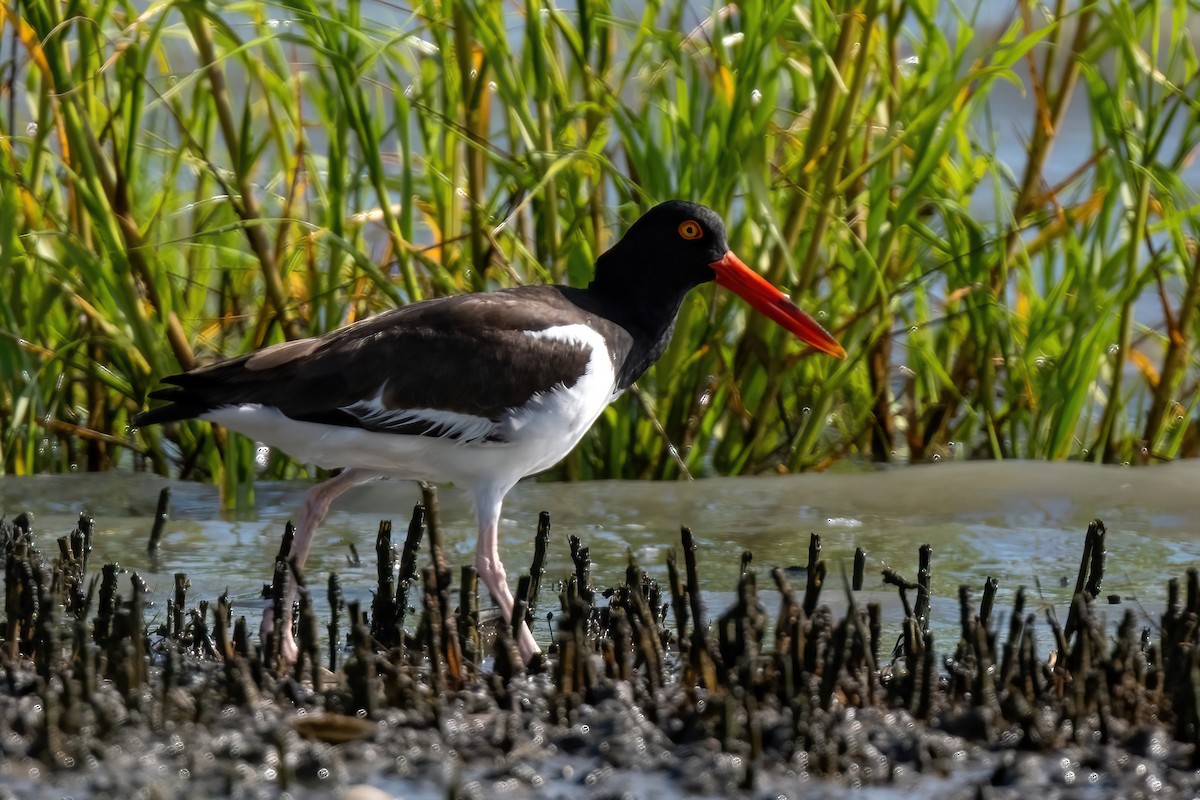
(449, 368)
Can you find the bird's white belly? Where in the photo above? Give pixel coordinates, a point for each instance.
(536, 435)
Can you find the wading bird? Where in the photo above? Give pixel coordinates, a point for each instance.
(479, 390)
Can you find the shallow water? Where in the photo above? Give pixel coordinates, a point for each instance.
(1021, 522)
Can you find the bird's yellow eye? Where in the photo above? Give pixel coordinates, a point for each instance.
(690, 229)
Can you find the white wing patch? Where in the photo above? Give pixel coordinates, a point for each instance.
(600, 371)
(559, 418)
(463, 428)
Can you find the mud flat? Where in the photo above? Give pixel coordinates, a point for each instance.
(110, 692)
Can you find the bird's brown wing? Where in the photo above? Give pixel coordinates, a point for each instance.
(471, 356)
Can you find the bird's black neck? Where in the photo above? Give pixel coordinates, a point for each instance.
(645, 309)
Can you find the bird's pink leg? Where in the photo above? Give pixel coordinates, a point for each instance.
(491, 569)
(316, 505)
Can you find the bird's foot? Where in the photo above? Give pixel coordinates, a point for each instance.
(288, 649)
(531, 654)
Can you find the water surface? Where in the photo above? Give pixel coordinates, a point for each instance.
(1021, 522)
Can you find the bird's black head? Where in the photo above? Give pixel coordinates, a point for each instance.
(671, 245)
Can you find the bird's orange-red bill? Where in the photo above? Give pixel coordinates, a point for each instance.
(747, 284)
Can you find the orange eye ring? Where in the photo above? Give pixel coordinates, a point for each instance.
(690, 229)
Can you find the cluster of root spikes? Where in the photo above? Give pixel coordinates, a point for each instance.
(764, 683)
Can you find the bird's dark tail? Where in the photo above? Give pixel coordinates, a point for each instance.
(182, 405)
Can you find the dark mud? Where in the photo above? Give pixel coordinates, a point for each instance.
(642, 694)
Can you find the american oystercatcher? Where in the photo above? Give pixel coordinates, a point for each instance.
(479, 390)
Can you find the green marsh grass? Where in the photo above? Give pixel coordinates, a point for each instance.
(182, 181)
